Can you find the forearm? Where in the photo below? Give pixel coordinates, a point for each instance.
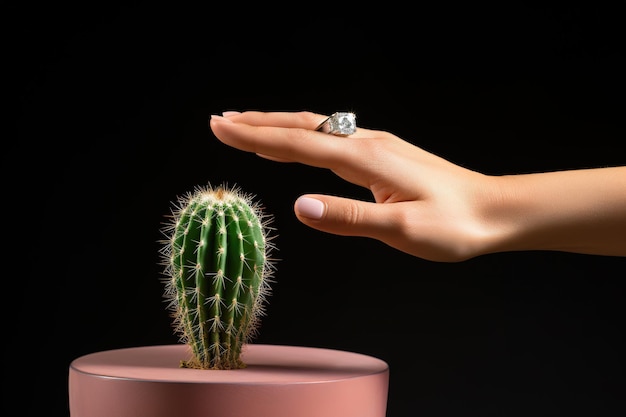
(582, 211)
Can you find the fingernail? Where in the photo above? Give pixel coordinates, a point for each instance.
(220, 118)
(230, 113)
(310, 207)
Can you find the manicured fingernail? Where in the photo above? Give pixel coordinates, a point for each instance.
(230, 113)
(220, 118)
(310, 207)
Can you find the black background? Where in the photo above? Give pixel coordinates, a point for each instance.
(111, 125)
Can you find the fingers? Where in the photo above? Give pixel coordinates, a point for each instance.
(283, 136)
(303, 120)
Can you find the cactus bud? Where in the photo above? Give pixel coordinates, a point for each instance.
(218, 272)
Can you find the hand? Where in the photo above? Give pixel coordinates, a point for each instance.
(429, 207)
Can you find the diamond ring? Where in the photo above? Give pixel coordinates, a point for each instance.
(339, 124)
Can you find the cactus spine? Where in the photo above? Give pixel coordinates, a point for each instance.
(218, 273)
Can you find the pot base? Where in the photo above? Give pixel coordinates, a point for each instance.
(279, 381)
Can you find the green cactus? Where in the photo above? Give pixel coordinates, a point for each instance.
(218, 273)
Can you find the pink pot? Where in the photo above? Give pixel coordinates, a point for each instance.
(280, 381)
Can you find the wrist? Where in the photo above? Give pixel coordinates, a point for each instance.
(500, 216)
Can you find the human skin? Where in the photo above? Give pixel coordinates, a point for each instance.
(432, 208)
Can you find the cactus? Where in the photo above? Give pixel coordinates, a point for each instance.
(218, 273)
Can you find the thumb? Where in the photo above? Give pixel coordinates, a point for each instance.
(343, 216)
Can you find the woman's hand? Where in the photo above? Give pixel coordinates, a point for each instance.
(429, 207)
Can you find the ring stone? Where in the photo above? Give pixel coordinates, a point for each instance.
(339, 124)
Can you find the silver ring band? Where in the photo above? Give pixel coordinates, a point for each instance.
(339, 124)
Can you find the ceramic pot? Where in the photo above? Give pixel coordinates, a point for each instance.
(279, 381)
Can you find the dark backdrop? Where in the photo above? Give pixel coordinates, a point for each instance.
(111, 125)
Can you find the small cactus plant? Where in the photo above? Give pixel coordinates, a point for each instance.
(218, 272)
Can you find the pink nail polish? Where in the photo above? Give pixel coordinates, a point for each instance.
(230, 113)
(310, 207)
